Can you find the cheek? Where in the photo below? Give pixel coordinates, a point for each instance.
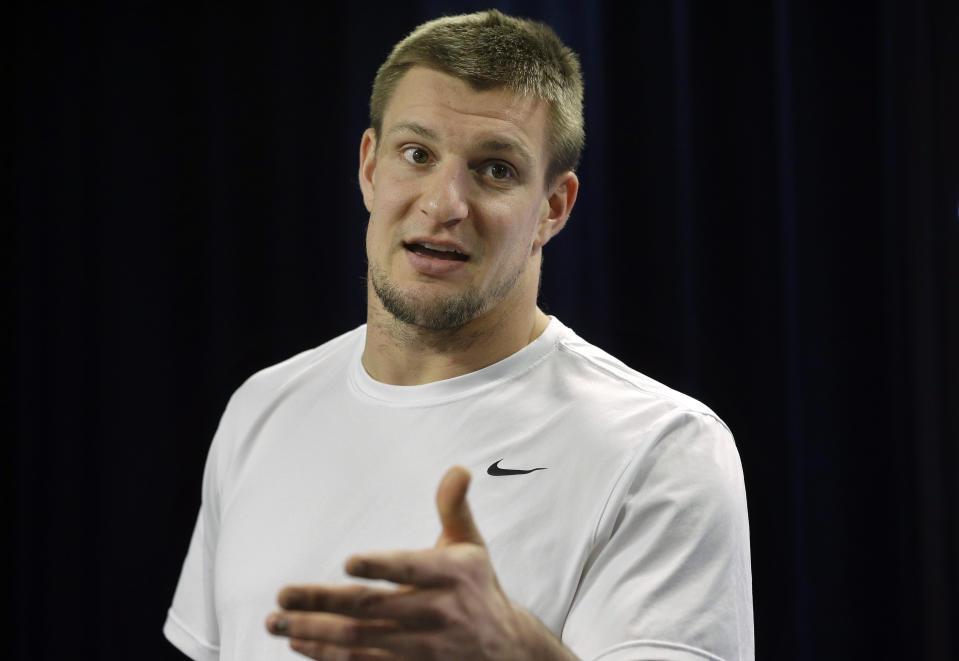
(514, 243)
(376, 234)
(392, 205)
(515, 223)
(527, 232)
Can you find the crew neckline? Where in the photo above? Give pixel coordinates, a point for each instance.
(458, 386)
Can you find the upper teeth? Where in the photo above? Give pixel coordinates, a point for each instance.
(433, 246)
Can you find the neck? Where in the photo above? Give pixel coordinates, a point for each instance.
(401, 354)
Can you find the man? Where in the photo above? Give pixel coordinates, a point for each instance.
(612, 508)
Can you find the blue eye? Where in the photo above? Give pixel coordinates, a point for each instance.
(416, 155)
(499, 171)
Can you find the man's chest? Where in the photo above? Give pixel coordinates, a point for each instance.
(322, 483)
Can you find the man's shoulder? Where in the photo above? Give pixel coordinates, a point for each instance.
(329, 356)
(610, 380)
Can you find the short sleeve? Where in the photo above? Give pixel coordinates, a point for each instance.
(191, 624)
(669, 576)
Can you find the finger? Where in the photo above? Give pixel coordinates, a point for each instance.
(352, 600)
(423, 569)
(403, 647)
(454, 511)
(326, 652)
(415, 609)
(330, 628)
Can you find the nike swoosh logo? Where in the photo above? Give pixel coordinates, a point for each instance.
(494, 469)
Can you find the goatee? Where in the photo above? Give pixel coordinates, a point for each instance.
(441, 314)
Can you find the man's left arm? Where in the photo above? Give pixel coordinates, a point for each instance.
(448, 603)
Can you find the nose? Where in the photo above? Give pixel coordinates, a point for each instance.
(444, 199)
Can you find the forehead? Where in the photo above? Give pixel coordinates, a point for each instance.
(452, 109)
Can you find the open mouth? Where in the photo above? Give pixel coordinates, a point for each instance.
(436, 251)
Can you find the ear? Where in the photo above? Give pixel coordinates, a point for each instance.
(367, 166)
(558, 205)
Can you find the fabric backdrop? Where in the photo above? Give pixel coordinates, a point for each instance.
(768, 221)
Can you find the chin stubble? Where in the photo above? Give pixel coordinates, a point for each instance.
(442, 314)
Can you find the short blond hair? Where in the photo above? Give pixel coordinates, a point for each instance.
(488, 50)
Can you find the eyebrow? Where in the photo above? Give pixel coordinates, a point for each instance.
(508, 146)
(413, 127)
(497, 144)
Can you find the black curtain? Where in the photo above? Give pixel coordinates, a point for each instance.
(768, 222)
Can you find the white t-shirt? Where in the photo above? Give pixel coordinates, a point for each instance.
(633, 543)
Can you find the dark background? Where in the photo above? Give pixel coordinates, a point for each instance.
(768, 221)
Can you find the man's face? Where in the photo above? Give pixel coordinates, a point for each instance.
(458, 208)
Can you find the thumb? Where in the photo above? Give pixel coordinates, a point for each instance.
(454, 511)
